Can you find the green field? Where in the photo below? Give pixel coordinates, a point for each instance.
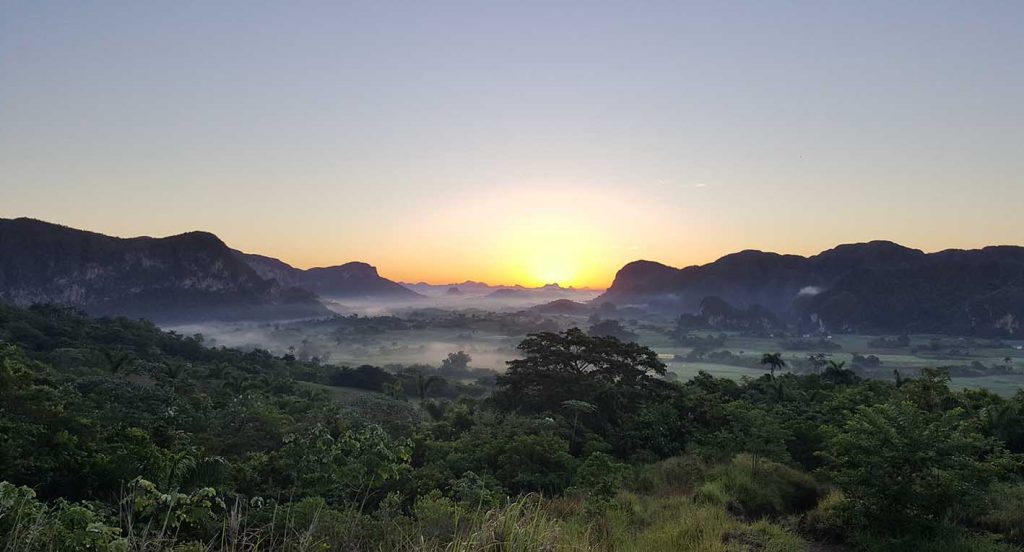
(491, 339)
(750, 349)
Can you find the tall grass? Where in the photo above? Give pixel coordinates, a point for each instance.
(770, 490)
(631, 522)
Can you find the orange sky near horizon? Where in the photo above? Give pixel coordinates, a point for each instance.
(573, 236)
(525, 142)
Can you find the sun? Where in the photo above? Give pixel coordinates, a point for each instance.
(548, 248)
(553, 269)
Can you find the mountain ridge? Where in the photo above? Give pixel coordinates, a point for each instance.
(186, 276)
(49, 262)
(847, 288)
(351, 280)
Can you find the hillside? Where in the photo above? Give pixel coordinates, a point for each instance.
(118, 436)
(353, 280)
(188, 277)
(870, 287)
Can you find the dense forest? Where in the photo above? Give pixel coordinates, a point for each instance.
(118, 436)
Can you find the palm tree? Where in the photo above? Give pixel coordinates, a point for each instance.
(818, 361)
(837, 374)
(780, 391)
(117, 361)
(1001, 420)
(173, 370)
(773, 361)
(189, 469)
(395, 390)
(423, 382)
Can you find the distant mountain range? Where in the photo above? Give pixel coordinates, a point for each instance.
(876, 287)
(188, 277)
(480, 289)
(479, 295)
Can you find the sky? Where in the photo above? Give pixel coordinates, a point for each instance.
(517, 142)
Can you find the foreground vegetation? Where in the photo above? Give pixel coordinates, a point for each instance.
(118, 436)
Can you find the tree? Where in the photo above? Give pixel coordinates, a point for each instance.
(930, 390)
(572, 365)
(598, 477)
(455, 364)
(774, 362)
(117, 361)
(818, 361)
(837, 373)
(423, 382)
(395, 390)
(173, 370)
(618, 379)
(900, 466)
(577, 408)
(611, 328)
(749, 429)
(341, 462)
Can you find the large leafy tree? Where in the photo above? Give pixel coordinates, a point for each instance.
(571, 365)
(617, 378)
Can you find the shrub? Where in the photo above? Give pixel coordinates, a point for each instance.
(825, 522)
(1006, 513)
(27, 524)
(678, 474)
(474, 491)
(598, 477)
(773, 490)
(437, 516)
(901, 467)
(766, 537)
(947, 539)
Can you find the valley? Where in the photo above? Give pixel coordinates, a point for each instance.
(415, 337)
(521, 276)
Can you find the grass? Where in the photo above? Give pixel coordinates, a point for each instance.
(902, 359)
(664, 517)
(652, 523)
(773, 490)
(950, 540)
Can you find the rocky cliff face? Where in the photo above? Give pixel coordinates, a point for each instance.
(189, 277)
(870, 287)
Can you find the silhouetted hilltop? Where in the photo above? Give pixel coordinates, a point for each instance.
(878, 286)
(563, 307)
(354, 280)
(511, 293)
(188, 277)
